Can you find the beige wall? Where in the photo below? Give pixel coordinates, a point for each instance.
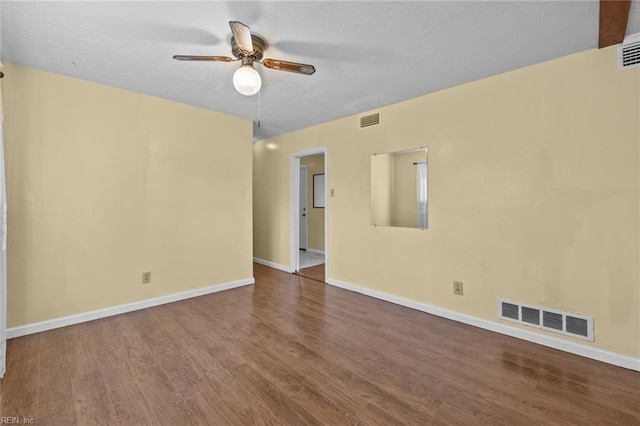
(381, 188)
(533, 195)
(104, 184)
(315, 164)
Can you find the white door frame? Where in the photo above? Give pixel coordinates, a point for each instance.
(304, 230)
(294, 228)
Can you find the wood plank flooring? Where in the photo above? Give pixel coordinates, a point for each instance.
(291, 350)
(313, 272)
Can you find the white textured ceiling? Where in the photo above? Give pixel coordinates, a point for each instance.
(367, 54)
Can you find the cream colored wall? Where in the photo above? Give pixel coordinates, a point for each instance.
(315, 164)
(104, 184)
(533, 195)
(381, 189)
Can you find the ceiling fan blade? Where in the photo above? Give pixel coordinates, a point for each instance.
(242, 36)
(277, 64)
(203, 58)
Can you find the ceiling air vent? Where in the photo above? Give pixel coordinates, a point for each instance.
(629, 52)
(370, 120)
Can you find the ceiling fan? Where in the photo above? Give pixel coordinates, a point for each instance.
(249, 48)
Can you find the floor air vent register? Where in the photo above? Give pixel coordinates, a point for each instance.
(566, 323)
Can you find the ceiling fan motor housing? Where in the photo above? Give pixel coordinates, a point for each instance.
(259, 46)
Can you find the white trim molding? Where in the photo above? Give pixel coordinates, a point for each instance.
(272, 265)
(553, 342)
(294, 205)
(312, 250)
(24, 330)
(3, 363)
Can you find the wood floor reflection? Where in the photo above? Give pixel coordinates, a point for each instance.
(313, 272)
(292, 350)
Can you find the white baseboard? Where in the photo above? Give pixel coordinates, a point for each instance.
(3, 353)
(272, 265)
(541, 339)
(312, 250)
(24, 330)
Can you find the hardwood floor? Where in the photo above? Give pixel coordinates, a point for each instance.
(313, 272)
(291, 350)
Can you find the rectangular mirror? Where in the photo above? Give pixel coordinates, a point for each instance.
(318, 190)
(399, 189)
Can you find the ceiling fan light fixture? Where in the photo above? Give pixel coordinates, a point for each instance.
(249, 48)
(247, 80)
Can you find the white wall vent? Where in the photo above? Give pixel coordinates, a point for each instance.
(629, 52)
(566, 323)
(509, 311)
(530, 315)
(370, 120)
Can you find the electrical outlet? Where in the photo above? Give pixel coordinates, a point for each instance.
(146, 278)
(458, 288)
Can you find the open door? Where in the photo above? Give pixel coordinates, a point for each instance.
(302, 211)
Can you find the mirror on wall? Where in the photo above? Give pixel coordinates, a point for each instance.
(399, 189)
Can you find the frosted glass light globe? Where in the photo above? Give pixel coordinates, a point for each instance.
(247, 81)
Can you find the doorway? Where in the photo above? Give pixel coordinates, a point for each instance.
(308, 244)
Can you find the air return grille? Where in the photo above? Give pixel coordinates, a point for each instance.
(530, 315)
(510, 311)
(575, 325)
(370, 120)
(629, 52)
(552, 320)
(569, 324)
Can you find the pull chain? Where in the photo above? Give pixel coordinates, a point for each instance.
(1, 64)
(259, 107)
